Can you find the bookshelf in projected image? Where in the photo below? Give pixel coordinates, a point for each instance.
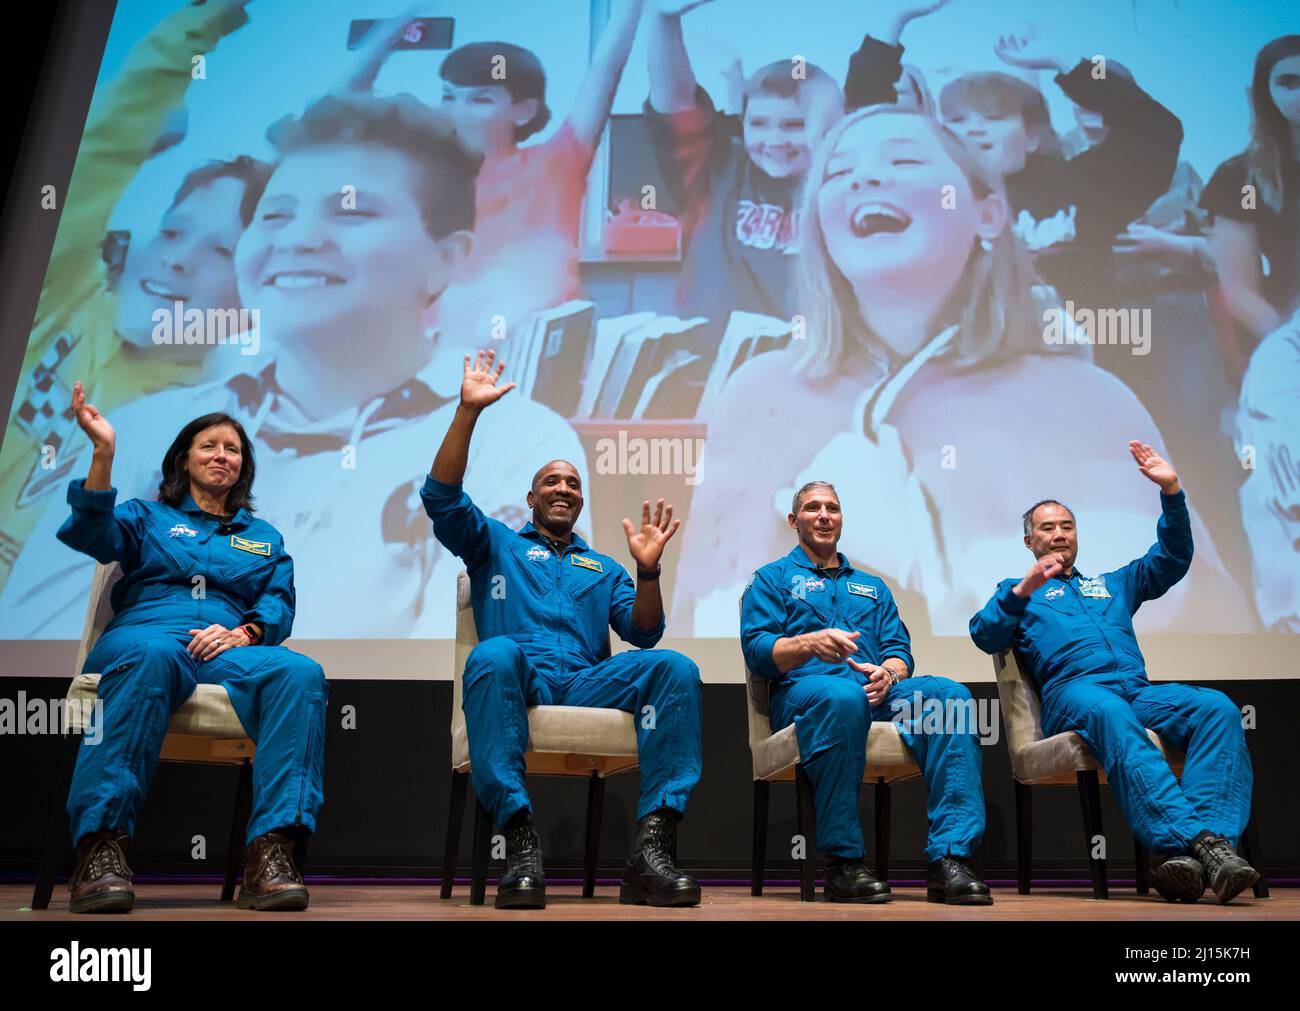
(641, 380)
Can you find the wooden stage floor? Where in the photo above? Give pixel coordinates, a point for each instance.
(564, 902)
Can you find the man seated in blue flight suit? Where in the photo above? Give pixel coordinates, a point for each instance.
(830, 638)
(1074, 634)
(543, 601)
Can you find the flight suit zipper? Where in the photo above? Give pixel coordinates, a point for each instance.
(1083, 604)
(207, 569)
(559, 603)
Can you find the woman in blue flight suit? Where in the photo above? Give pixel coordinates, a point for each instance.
(206, 597)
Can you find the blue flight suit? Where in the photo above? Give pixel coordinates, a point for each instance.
(542, 622)
(146, 672)
(831, 715)
(1075, 638)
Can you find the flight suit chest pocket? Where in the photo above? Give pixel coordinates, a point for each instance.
(534, 564)
(810, 598)
(176, 546)
(242, 559)
(582, 574)
(1096, 595)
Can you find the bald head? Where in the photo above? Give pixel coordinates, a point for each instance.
(547, 468)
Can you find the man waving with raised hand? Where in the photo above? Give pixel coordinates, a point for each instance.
(543, 603)
(1074, 634)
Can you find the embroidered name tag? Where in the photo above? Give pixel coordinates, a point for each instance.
(181, 530)
(862, 590)
(1054, 592)
(538, 554)
(813, 585)
(254, 547)
(1094, 587)
(583, 562)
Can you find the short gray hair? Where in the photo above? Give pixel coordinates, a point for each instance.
(794, 508)
(1028, 518)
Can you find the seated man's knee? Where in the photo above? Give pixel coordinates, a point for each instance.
(944, 688)
(1215, 706)
(845, 700)
(495, 657)
(676, 668)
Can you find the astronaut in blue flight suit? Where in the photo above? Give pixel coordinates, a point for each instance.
(1074, 634)
(839, 657)
(543, 602)
(206, 597)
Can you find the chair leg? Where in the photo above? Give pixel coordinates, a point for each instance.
(482, 850)
(807, 827)
(455, 819)
(595, 810)
(1024, 835)
(56, 823)
(884, 814)
(758, 864)
(1251, 851)
(238, 829)
(1142, 865)
(1090, 804)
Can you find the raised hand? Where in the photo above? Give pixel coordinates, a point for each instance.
(647, 544)
(1155, 467)
(1027, 49)
(478, 388)
(94, 424)
(1047, 567)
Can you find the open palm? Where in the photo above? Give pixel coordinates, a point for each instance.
(478, 387)
(94, 424)
(1152, 464)
(647, 544)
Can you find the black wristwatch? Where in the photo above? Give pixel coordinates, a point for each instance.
(648, 576)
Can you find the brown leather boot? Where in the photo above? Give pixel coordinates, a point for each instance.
(102, 880)
(271, 881)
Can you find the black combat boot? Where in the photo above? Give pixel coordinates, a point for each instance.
(523, 885)
(1228, 874)
(1177, 877)
(650, 877)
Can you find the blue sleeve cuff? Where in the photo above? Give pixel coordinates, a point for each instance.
(1010, 603)
(81, 497)
(642, 639)
(760, 659)
(437, 495)
(898, 654)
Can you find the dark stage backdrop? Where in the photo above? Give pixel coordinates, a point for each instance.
(387, 788)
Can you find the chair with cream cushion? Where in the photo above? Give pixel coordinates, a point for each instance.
(1063, 759)
(776, 760)
(203, 730)
(562, 741)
